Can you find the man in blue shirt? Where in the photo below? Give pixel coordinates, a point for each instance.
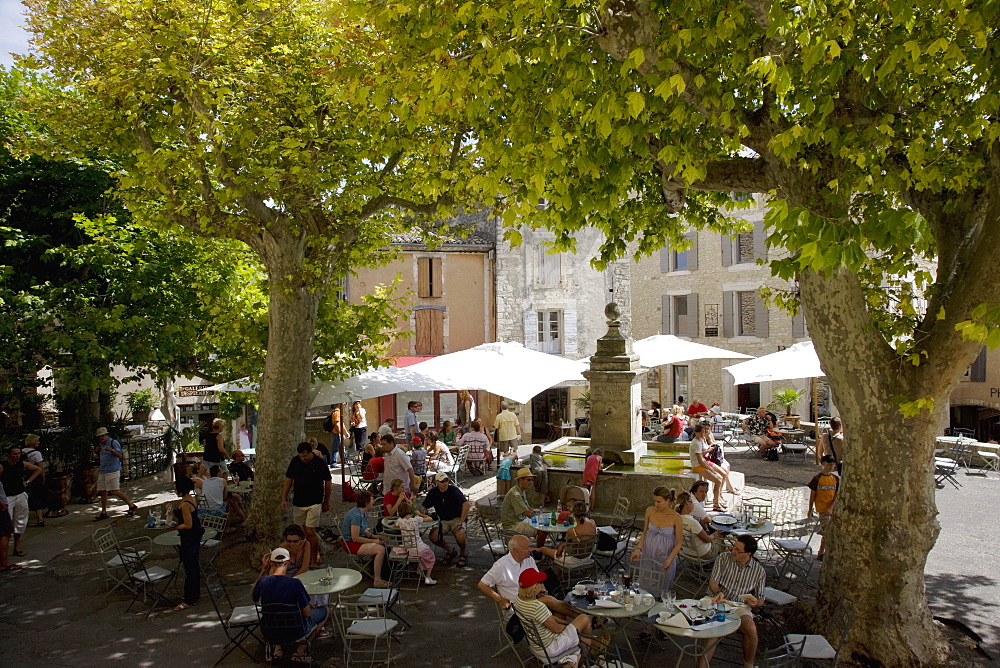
(277, 588)
(109, 473)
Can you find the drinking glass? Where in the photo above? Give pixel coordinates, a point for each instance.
(671, 600)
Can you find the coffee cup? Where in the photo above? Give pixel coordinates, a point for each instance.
(580, 589)
(705, 603)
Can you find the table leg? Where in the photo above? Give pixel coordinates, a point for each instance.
(694, 650)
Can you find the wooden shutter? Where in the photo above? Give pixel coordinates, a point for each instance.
(430, 331)
(665, 259)
(550, 267)
(977, 373)
(692, 322)
(728, 302)
(759, 240)
(530, 329)
(692, 257)
(727, 250)
(569, 331)
(760, 325)
(665, 305)
(428, 277)
(798, 325)
(435, 279)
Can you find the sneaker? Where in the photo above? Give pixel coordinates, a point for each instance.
(430, 581)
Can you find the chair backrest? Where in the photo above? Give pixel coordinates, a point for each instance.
(785, 656)
(757, 506)
(620, 512)
(219, 596)
(105, 539)
(216, 522)
(534, 637)
(582, 549)
(840, 623)
(462, 456)
(403, 539)
(281, 622)
(131, 561)
(653, 580)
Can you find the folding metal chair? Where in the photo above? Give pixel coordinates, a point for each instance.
(459, 470)
(608, 559)
(405, 560)
(146, 578)
(107, 547)
(991, 458)
(793, 540)
(787, 655)
(945, 469)
(366, 633)
(240, 623)
(582, 552)
(698, 568)
(282, 625)
(212, 546)
(494, 545)
(389, 596)
(818, 647)
(504, 640)
(653, 580)
(538, 647)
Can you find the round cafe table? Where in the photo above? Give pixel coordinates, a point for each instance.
(739, 529)
(343, 578)
(554, 531)
(618, 615)
(689, 639)
(173, 539)
(244, 488)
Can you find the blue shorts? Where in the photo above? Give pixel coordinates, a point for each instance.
(315, 619)
(503, 474)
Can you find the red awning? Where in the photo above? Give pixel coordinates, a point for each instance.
(409, 361)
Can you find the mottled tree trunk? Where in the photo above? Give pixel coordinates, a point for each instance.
(884, 521)
(284, 389)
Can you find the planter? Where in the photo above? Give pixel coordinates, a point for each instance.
(85, 481)
(140, 417)
(57, 489)
(793, 420)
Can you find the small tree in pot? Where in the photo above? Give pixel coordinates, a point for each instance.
(141, 403)
(787, 397)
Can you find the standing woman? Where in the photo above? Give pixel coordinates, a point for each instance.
(36, 488)
(336, 435)
(215, 447)
(359, 425)
(661, 540)
(466, 409)
(190, 530)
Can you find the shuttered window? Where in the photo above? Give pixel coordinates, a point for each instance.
(977, 372)
(549, 332)
(429, 326)
(680, 260)
(549, 267)
(746, 247)
(428, 277)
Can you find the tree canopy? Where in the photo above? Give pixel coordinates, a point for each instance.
(871, 129)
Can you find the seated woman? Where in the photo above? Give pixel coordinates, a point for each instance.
(480, 455)
(374, 468)
(556, 636)
(371, 449)
(358, 539)
(716, 453)
(673, 426)
(706, 469)
(695, 535)
(447, 433)
(394, 497)
(585, 527)
(299, 551)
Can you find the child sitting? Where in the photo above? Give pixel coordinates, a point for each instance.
(409, 525)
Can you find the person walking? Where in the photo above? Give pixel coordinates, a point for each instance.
(36, 490)
(312, 483)
(109, 473)
(16, 487)
(215, 446)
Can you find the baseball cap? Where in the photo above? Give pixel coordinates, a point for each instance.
(525, 472)
(530, 577)
(418, 439)
(441, 477)
(101, 431)
(279, 555)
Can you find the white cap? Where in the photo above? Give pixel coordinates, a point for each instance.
(279, 555)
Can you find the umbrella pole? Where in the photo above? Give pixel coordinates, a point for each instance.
(343, 468)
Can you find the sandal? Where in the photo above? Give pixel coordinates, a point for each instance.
(462, 561)
(19, 553)
(301, 658)
(58, 513)
(181, 606)
(38, 525)
(450, 557)
(102, 516)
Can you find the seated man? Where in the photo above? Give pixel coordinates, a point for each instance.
(217, 501)
(516, 513)
(756, 426)
(452, 508)
(501, 582)
(240, 468)
(737, 576)
(277, 588)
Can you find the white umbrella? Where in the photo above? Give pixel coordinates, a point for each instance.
(797, 361)
(668, 349)
(241, 385)
(379, 382)
(505, 369)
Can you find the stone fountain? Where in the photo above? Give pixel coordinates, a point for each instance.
(616, 394)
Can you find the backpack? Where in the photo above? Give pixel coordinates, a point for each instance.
(771, 455)
(328, 423)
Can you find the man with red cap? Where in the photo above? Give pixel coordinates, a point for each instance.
(556, 636)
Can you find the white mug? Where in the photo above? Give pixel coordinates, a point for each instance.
(580, 590)
(705, 603)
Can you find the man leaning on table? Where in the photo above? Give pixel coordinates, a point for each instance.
(516, 513)
(737, 577)
(275, 588)
(504, 574)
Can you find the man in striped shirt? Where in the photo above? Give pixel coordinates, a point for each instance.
(737, 576)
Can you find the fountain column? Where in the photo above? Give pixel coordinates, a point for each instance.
(616, 394)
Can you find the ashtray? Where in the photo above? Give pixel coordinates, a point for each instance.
(325, 579)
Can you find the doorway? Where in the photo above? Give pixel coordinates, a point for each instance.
(747, 396)
(549, 407)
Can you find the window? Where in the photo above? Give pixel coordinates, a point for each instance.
(550, 332)
(977, 372)
(680, 316)
(680, 382)
(340, 287)
(745, 247)
(672, 259)
(549, 267)
(429, 329)
(428, 277)
(744, 313)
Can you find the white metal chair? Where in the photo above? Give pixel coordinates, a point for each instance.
(793, 540)
(504, 640)
(212, 546)
(366, 633)
(608, 559)
(538, 647)
(818, 647)
(494, 545)
(582, 554)
(990, 457)
(107, 547)
(240, 623)
(400, 550)
(146, 579)
(387, 596)
(697, 567)
(787, 655)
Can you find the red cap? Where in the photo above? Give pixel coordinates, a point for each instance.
(417, 439)
(530, 577)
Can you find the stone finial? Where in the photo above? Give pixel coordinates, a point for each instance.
(613, 313)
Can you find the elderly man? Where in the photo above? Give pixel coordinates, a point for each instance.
(397, 466)
(312, 483)
(699, 493)
(756, 427)
(240, 468)
(277, 588)
(737, 576)
(508, 430)
(452, 508)
(501, 582)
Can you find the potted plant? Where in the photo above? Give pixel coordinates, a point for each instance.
(787, 397)
(141, 403)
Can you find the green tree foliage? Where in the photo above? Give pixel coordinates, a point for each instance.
(871, 128)
(267, 122)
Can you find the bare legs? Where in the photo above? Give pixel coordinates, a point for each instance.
(376, 550)
(749, 630)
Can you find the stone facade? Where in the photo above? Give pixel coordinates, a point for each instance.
(709, 295)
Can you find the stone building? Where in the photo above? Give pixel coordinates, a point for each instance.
(709, 294)
(554, 302)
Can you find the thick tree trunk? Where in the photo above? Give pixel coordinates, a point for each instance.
(284, 389)
(884, 521)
